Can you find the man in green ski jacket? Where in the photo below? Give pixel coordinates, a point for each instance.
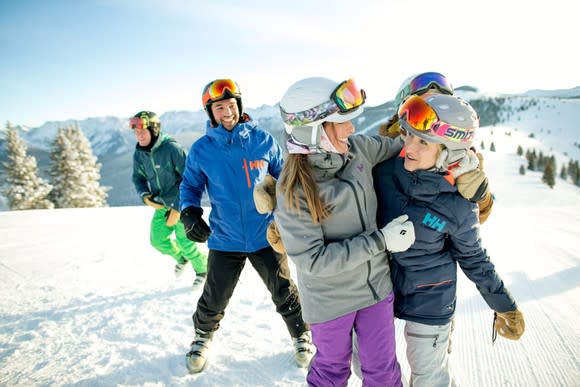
(158, 164)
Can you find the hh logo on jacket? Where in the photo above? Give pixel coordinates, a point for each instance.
(434, 222)
(251, 165)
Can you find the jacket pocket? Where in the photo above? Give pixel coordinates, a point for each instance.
(429, 279)
(428, 293)
(429, 338)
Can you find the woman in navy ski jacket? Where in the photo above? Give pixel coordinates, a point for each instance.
(438, 130)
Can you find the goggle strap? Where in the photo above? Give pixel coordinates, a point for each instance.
(314, 135)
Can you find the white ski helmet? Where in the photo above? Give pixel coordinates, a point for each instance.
(311, 101)
(440, 118)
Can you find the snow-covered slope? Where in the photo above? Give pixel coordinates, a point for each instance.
(85, 301)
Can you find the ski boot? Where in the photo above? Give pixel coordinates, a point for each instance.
(197, 356)
(304, 350)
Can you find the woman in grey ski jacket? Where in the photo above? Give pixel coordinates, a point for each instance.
(326, 215)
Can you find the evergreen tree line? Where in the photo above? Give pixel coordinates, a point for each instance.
(74, 174)
(537, 161)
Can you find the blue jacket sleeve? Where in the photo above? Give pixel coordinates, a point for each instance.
(193, 183)
(473, 259)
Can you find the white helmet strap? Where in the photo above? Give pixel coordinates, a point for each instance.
(314, 135)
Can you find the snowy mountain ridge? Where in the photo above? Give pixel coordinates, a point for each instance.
(551, 118)
(111, 134)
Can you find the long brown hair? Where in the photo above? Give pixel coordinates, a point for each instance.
(298, 173)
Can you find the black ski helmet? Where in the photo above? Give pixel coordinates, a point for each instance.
(146, 119)
(218, 90)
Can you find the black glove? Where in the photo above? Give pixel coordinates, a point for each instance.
(196, 228)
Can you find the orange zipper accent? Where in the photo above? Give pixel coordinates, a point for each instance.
(247, 173)
(435, 284)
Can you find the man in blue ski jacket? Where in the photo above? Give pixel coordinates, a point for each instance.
(228, 161)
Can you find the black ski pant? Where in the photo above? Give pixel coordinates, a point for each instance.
(223, 272)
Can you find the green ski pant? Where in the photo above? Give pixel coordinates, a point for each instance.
(160, 238)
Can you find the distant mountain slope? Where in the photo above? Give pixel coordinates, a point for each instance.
(550, 116)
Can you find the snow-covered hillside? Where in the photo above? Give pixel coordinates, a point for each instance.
(547, 116)
(85, 301)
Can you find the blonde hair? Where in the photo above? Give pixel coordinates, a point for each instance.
(297, 173)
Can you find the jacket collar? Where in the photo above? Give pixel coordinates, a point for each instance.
(162, 138)
(327, 164)
(223, 135)
(421, 185)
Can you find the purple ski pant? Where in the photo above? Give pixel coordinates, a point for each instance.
(375, 330)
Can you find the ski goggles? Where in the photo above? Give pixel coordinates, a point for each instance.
(415, 113)
(345, 98)
(348, 96)
(220, 89)
(139, 123)
(422, 83)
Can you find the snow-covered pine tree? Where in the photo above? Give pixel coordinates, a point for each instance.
(94, 195)
(64, 171)
(549, 171)
(75, 171)
(25, 189)
(532, 161)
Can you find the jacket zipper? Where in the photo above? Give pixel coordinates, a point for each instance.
(156, 174)
(364, 227)
(434, 284)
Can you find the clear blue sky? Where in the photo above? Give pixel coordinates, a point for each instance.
(73, 59)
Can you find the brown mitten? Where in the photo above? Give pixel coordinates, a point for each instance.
(391, 128)
(394, 130)
(473, 185)
(273, 236)
(485, 205)
(148, 199)
(510, 325)
(265, 195)
(171, 217)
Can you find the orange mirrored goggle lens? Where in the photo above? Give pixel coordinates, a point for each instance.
(217, 89)
(418, 114)
(348, 96)
(138, 123)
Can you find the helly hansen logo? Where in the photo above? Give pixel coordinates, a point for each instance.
(434, 222)
(257, 164)
(252, 164)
